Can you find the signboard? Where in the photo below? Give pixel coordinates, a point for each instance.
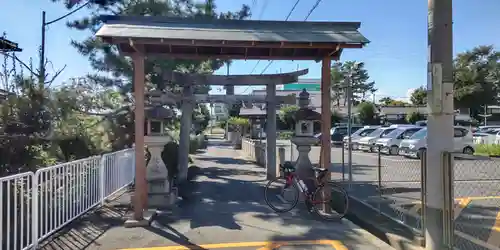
(301, 86)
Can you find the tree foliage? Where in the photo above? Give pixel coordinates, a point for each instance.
(413, 117)
(419, 96)
(358, 76)
(116, 71)
(367, 113)
(477, 78)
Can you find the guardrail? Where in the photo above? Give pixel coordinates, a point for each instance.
(36, 205)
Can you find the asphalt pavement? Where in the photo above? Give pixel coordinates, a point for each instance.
(476, 191)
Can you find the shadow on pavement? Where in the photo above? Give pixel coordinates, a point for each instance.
(82, 233)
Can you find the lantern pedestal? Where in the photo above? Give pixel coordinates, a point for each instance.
(303, 165)
(160, 194)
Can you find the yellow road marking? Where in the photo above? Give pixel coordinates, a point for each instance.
(335, 244)
(462, 203)
(494, 238)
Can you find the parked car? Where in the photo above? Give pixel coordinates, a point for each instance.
(483, 129)
(488, 137)
(389, 143)
(417, 143)
(360, 133)
(367, 143)
(338, 133)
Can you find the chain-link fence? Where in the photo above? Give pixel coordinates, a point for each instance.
(476, 211)
(388, 184)
(392, 185)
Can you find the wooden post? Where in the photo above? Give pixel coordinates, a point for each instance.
(326, 123)
(140, 194)
(326, 114)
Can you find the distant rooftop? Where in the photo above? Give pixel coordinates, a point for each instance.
(8, 46)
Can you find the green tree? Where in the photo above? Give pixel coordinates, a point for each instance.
(419, 96)
(477, 78)
(287, 116)
(413, 117)
(386, 101)
(116, 71)
(359, 80)
(367, 113)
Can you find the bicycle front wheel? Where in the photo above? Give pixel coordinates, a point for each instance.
(280, 196)
(330, 202)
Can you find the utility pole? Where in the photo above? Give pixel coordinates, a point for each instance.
(42, 50)
(440, 124)
(349, 127)
(44, 30)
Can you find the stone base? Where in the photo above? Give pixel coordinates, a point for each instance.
(148, 217)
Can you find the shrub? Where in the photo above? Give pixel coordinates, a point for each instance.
(487, 149)
(285, 135)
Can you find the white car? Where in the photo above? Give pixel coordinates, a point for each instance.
(417, 143)
(367, 143)
(360, 133)
(488, 137)
(389, 143)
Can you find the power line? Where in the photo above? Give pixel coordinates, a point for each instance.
(305, 19)
(286, 19)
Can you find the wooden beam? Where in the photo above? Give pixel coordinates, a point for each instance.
(238, 44)
(234, 80)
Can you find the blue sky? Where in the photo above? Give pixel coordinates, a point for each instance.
(395, 58)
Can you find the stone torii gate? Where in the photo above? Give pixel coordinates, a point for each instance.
(188, 99)
(204, 38)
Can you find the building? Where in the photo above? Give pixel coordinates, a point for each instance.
(219, 111)
(8, 46)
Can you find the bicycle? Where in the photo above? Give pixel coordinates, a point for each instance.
(296, 186)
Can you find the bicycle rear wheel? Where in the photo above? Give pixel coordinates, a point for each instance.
(279, 192)
(331, 203)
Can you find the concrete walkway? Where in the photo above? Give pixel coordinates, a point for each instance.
(228, 211)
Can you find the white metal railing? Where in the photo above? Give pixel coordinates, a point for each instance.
(36, 205)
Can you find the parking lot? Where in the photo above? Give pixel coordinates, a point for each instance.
(477, 191)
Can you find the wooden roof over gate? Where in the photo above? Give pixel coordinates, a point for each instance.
(200, 38)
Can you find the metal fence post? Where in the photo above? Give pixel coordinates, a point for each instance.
(35, 210)
(423, 190)
(102, 173)
(343, 164)
(448, 220)
(379, 170)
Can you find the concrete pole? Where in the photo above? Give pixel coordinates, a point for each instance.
(186, 123)
(271, 131)
(349, 127)
(440, 120)
(140, 192)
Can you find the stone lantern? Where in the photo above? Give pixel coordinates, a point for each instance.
(304, 135)
(159, 193)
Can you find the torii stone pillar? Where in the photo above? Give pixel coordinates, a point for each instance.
(186, 123)
(271, 131)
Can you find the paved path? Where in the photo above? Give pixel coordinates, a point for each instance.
(228, 211)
